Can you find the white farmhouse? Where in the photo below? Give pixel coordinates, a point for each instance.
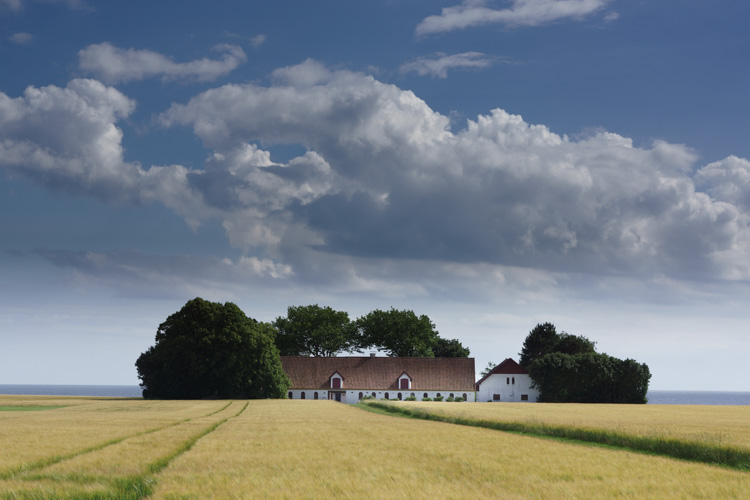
(507, 382)
(349, 379)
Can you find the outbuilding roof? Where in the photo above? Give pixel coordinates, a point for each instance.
(380, 373)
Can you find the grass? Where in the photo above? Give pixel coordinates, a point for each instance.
(599, 426)
(136, 449)
(28, 408)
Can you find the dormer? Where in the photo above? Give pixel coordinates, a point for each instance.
(404, 382)
(337, 381)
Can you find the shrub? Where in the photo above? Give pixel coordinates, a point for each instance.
(438, 398)
(426, 399)
(449, 400)
(459, 399)
(410, 398)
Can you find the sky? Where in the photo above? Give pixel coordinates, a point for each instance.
(491, 164)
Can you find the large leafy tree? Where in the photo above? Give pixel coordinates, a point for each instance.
(398, 333)
(540, 341)
(567, 368)
(208, 349)
(452, 348)
(315, 331)
(589, 378)
(544, 339)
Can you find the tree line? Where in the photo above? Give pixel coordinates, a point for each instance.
(213, 350)
(566, 368)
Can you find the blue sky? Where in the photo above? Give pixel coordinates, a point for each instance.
(490, 164)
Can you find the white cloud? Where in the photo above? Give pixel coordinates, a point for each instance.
(401, 185)
(21, 38)
(14, 5)
(258, 40)
(439, 65)
(473, 13)
(114, 65)
(384, 180)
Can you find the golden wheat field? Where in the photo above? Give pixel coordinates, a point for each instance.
(98, 448)
(723, 425)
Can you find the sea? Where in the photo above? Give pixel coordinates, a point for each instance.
(133, 391)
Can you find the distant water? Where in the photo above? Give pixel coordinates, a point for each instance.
(698, 398)
(113, 391)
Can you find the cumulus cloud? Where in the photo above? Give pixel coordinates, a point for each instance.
(14, 5)
(439, 65)
(402, 185)
(473, 13)
(258, 40)
(21, 38)
(385, 180)
(141, 274)
(115, 65)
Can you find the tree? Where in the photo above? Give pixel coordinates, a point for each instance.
(487, 369)
(589, 378)
(445, 348)
(574, 344)
(315, 331)
(540, 341)
(208, 349)
(398, 333)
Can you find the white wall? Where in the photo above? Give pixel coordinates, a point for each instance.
(352, 397)
(509, 392)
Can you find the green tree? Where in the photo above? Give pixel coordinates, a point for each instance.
(574, 344)
(589, 378)
(398, 333)
(208, 349)
(541, 340)
(315, 331)
(486, 371)
(445, 348)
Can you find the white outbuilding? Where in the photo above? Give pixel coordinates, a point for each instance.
(507, 382)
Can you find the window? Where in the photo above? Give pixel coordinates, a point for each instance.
(315, 396)
(360, 395)
(507, 381)
(302, 396)
(290, 394)
(373, 395)
(465, 398)
(425, 395)
(514, 380)
(451, 395)
(386, 394)
(496, 397)
(400, 397)
(438, 395)
(412, 395)
(404, 383)
(524, 397)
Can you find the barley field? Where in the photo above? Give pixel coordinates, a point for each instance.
(720, 425)
(99, 448)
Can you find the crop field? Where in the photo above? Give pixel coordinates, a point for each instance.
(716, 425)
(99, 448)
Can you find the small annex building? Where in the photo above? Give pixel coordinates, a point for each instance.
(507, 382)
(349, 379)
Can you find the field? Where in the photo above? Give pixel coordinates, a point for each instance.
(99, 448)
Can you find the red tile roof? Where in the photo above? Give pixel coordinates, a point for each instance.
(380, 373)
(508, 366)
